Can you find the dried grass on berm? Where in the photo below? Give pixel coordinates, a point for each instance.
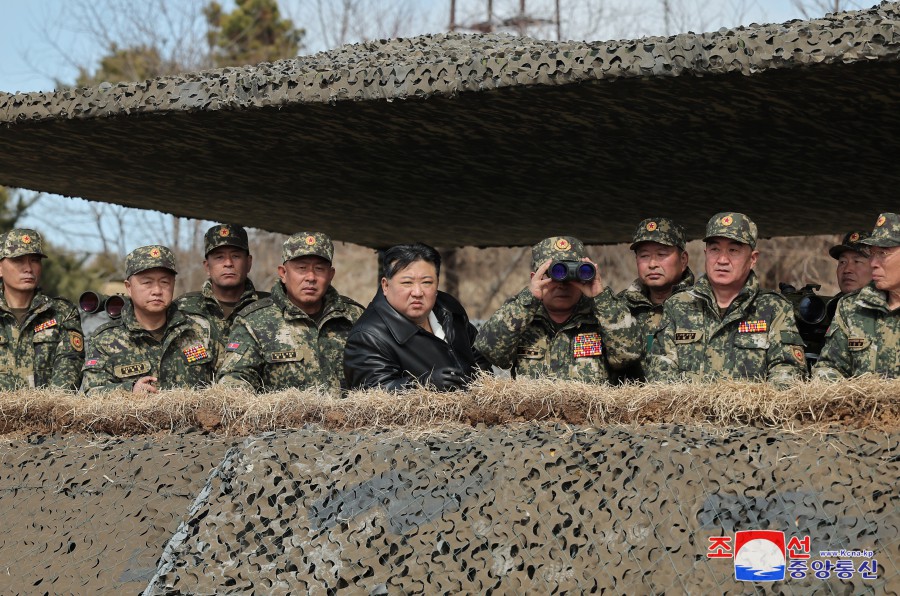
(865, 402)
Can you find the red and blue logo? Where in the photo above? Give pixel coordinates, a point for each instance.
(759, 555)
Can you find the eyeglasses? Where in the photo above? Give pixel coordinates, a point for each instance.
(882, 254)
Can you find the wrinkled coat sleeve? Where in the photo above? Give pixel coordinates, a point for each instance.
(369, 362)
(662, 361)
(500, 335)
(621, 331)
(69, 358)
(784, 367)
(834, 361)
(243, 366)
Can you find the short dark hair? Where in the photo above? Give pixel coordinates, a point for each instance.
(398, 258)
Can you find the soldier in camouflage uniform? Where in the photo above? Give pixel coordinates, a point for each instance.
(864, 336)
(296, 336)
(565, 330)
(726, 327)
(153, 345)
(853, 269)
(228, 289)
(41, 344)
(662, 264)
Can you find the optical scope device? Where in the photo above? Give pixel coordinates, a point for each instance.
(572, 271)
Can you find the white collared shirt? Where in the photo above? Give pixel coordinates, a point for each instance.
(436, 327)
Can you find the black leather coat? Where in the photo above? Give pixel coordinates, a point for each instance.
(385, 349)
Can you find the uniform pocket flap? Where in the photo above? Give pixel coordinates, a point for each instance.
(792, 338)
(752, 341)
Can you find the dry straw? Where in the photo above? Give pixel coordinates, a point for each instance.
(866, 402)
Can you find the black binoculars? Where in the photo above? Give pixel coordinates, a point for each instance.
(92, 302)
(572, 271)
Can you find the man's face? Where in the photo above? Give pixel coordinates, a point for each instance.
(728, 262)
(886, 268)
(560, 296)
(853, 271)
(21, 274)
(660, 266)
(306, 279)
(151, 291)
(412, 291)
(228, 266)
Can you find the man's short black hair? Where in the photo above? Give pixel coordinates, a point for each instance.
(398, 258)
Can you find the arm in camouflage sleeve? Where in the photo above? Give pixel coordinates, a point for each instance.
(785, 358)
(499, 337)
(69, 358)
(621, 332)
(834, 361)
(97, 375)
(242, 365)
(662, 361)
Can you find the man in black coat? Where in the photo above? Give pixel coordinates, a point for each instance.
(411, 334)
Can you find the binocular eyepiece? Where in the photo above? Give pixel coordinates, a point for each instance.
(572, 271)
(92, 302)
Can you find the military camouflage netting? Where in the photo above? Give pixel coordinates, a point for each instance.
(498, 137)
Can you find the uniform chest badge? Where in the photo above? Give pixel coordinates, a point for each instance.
(195, 353)
(232, 346)
(588, 344)
(76, 340)
(91, 363)
(759, 326)
(45, 325)
(799, 355)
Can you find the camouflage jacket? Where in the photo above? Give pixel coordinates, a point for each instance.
(274, 345)
(205, 304)
(757, 339)
(46, 351)
(648, 316)
(864, 337)
(600, 336)
(121, 352)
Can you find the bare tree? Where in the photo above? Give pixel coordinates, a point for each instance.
(817, 8)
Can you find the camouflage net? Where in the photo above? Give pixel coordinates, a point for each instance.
(526, 508)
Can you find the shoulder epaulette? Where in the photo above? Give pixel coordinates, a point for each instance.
(254, 306)
(108, 325)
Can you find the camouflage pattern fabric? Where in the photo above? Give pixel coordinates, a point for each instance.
(121, 352)
(601, 336)
(225, 235)
(149, 257)
(734, 226)
(661, 230)
(20, 242)
(304, 244)
(46, 351)
(648, 316)
(757, 339)
(274, 345)
(556, 248)
(886, 232)
(850, 241)
(864, 337)
(203, 303)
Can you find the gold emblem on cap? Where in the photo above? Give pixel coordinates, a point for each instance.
(563, 244)
(154, 252)
(651, 227)
(224, 233)
(26, 239)
(310, 240)
(727, 220)
(880, 221)
(854, 237)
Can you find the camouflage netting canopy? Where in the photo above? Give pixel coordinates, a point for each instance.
(495, 140)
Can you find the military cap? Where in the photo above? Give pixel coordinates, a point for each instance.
(149, 257)
(852, 241)
(556, 248)
(659, 229)
(305, 244)
(886, 232)
(225, 235)
(22, 241)
(734, 226)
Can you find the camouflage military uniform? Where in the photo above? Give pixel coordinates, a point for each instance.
(756, 338)
(601, 335)
(864, 336)
(274, 345)
(47, 349)
(121, 352)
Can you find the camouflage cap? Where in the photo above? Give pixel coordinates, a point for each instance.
(886, 232)
(734, 226)
(225, 235)
(852, 241)
(22, 241)
(149, 257)
(557, 248)
(659, 229)
(305, 244)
